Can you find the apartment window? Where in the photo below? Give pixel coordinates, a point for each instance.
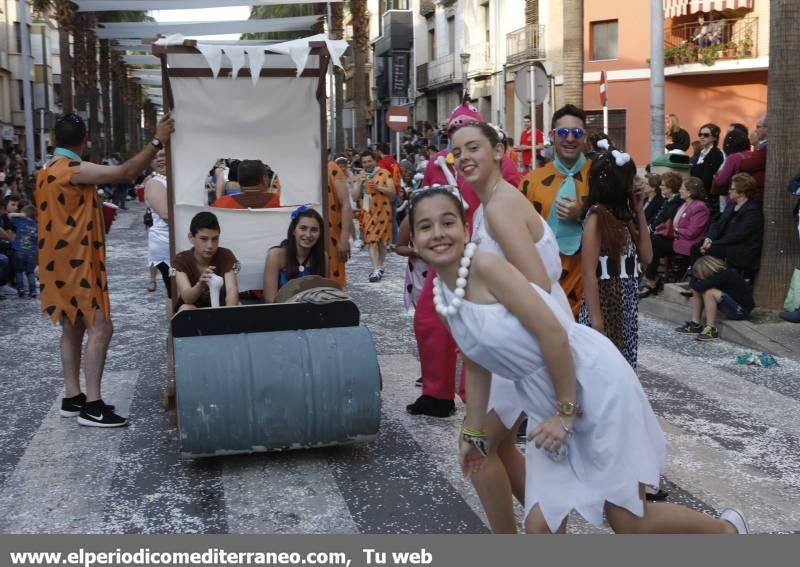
(431, 44)
(451, 34)
(604, 40)
(617, 129)
(486, 21)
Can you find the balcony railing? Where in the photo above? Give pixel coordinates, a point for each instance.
(481, 60)
(719, 39)
(444, 70)
(422, 77)
(525, 44)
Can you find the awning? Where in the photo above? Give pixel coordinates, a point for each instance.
(139, 30)
(141, 5)
(696, 6)
(675, 8)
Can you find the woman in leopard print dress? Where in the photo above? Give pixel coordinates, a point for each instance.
(615, 240)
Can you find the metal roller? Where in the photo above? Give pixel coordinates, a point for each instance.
(271, 391)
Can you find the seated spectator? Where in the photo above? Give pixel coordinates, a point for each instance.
(301, 254)
(755, 162)
(735, 144)
(194, 268)
(254, 182)
(793, 315)
(709, 159)
(715, 287)
(7, 236)
(688, 227)
(652, 196)
(736, 237)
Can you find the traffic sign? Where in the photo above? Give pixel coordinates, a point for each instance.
(398, 118)
(540, 85)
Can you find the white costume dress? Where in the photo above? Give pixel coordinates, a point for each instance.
(503, 398)
(158, 235)
(616, 442)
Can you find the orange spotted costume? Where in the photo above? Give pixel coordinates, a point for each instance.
(336, 270)
(72, 251)
(376, 216)
(541, 187)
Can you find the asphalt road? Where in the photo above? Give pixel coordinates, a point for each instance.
(733, 433)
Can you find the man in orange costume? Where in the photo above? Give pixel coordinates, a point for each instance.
(340, 223)
(254, 183)
(558, 191)
(376, 191)
(72, 260)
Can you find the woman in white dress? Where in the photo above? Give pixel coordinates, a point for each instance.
(155, 196)
(505, 224)
(601, 442)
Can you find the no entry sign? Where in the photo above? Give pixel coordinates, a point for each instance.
(398, 118)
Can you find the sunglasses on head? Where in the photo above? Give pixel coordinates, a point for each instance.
(705, 134)
(577, 133)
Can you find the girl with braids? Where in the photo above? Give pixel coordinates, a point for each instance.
(615, 239)
(301, 254)
(599, 438)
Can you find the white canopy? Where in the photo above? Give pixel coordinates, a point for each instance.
(114, 5)
(139, 30)
(141, 59)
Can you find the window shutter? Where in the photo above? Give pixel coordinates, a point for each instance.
(532, 12)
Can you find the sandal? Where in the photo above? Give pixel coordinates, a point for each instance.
(152, 286)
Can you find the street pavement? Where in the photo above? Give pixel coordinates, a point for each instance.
(733, 433)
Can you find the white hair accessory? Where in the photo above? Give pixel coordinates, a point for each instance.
(451, 189)
(603, 144)
(621, 158)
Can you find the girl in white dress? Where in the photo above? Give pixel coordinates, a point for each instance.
(155, 196)
(575, 387)
(505, 224)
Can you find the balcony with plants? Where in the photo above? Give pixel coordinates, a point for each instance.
(718, 40)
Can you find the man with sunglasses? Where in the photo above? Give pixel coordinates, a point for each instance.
(557, 191)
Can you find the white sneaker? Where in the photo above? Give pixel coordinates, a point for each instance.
(736, 518)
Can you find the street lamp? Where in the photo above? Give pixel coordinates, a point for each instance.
(464, 70)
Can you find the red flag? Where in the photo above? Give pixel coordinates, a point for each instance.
(603, 89)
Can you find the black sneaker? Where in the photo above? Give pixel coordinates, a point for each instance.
(659, 496)
(708, 333)
(433, 407)
(689, 328)
(375, 276)
(71, 407)
(98, 414)
(522, 432)
(418, 382)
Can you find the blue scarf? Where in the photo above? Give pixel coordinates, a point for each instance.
(568, 233)
(64, 152)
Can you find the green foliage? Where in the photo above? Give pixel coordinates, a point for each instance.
(282, 11)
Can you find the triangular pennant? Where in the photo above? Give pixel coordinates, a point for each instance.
(300, 55)
(213, 55)
(255, 57)
(336, 47)
(236, 55)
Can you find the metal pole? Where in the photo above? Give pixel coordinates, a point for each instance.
(27, 99)
(605, 120)
(397, 148)
(531, 81)
(42, 131)
(332, 91)
(656, 78)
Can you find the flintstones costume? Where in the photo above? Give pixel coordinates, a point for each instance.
(542, 188)
(376, 216)
(72, 251)
(336, 268)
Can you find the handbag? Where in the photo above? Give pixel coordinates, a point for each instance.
(793, 295)
(666, 229)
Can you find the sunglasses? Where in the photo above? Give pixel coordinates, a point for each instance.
(704, 134)
(577, 133)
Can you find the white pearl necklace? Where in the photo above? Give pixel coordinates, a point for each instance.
(461, 283)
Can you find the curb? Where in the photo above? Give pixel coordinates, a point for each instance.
(743, 333)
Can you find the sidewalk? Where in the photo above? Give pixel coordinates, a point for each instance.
(763, 332)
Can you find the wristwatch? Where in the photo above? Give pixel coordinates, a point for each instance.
(567, 409)
(157, 143)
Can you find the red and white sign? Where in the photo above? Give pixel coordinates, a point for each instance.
(603, 89)
(398, 118)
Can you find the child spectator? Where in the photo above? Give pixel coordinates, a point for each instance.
(615, 233)
(715, 287)
(25, 249)
(195, 267)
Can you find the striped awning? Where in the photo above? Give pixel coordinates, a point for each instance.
(718, 5)
(675, 8)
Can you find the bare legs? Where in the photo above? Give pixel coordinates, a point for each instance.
(99, 337)
(377, 254)
(707, 300)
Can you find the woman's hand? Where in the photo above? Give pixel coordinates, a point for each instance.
(470, 458)
(639, 186)
(550, 434)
